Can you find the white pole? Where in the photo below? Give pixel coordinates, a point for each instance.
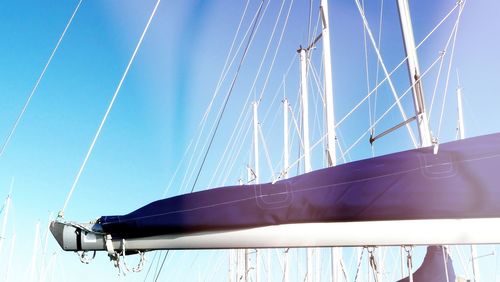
(461, 134)
(287, 266)
(257, 172)
(286, 162)
(461, 127)
(475, 265)
(43, 266)
(256, 141)
(336, 256)
(317, 272)
(305, 138)
(414, 72)
(241, 265)
(241, 255)
(4, 221)
(336, 253)
(11, 254)
(305, 109)
(246, 268)
(35, 253)
(330, 117)
(231, 265)
(257, 268)
(52, 267)
(268, 265)
(310, 265)
(286, 158)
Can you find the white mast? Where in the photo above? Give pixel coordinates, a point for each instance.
(461, 127)
(305, 109)
(330, 117)
(257, 172)
(286, 266)
(257, 269)
(11, 254)
(285, 175)
(286, 157)
(231, 265)
(4, 222)
(305, 138)
(331, 156)
(461, 135)
(35, 253)
(414, 72)
(256, 142)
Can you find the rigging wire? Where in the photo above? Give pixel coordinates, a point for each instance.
(358, 268)
(392, 106)
(224, 160)
(309, 22)
(260, 67)
(227, 65)
(250, 28)
(449, 66)
(377, 74)
(162, 264)
(233, 139)
(379, 57)
(276, 51)
(443, 53)
(150, 265)
(233, 83)
(225, 70)
(394, 69)
(367, 72)
(267, 49)
(103, 121)
(235, 158)
(239, 120)
(177, 169)
(266, 151)
(26, 104)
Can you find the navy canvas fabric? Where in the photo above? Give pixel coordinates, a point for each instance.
(460, 181)
(436, 267)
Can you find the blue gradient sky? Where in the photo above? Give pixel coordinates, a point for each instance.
(169, 88)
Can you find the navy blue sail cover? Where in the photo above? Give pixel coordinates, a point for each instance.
(436, 267)
(460, 181)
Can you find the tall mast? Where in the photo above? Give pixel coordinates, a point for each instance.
(414, 72)
(330, 117)
(33, 268)
(257, 175)
(4, 221)
(461, 135)
(256, 142)
(6, 215)
(11, 255)
(305, 109)
(305, 138)
(286, 161)
(285, 139)
(461, 127)
(331, 155)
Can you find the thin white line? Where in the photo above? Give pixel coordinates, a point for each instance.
(75, 182)
(26, 104)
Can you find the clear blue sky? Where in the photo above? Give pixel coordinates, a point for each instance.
(169, 88)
